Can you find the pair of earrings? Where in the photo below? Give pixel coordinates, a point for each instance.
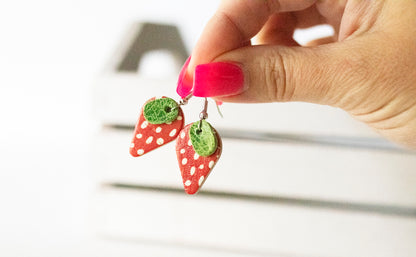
(198, 144)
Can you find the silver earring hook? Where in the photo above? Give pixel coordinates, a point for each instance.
(183, 101)
(203, 115)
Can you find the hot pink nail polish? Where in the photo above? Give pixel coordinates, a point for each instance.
(185, 83)
(218, 79)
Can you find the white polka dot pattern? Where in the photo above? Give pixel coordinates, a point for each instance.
(149, 140)
(201, 179)
(144, 124)
(160, 141)
(172, 133)
(148, 137)
(196, 168)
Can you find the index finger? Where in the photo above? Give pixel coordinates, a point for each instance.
(235, 23)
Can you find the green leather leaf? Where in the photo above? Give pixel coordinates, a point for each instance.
(204, 140)
(161, 111)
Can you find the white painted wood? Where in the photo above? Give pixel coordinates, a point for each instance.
(274, 169)
(267, 229)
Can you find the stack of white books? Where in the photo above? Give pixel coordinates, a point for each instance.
(294, 179)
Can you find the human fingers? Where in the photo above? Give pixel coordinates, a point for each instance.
(352, 75)
(278, 30)
(231, 27)
(280, 27)
(236, 22)
(372, 76)
(271, 73)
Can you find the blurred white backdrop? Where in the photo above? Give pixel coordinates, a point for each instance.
(50, 53)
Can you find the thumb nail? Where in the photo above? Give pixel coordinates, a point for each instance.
(185, 83)
(218, 79)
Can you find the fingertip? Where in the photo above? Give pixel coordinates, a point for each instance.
(231, 27)
(185, 80)
(218, 79)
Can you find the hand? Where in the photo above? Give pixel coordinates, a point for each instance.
(368, 68)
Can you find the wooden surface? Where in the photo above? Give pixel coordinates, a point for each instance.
(305, 171)
(256, 227)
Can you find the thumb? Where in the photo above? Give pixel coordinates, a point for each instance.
(374, 82)
(323, 74)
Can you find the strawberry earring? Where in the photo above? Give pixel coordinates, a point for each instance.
(198, 145)
(159, 123)
(198, 149)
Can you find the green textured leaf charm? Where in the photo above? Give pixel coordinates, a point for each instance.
(203, 138)
(159, 111)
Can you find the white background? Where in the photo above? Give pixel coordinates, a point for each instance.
(50, 53)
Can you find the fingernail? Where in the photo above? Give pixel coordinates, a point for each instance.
(185, 83)
(218, 79)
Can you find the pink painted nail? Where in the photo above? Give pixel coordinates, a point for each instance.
(185, 83)
(218, 79)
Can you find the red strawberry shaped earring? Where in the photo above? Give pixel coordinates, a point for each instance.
(198, 149)
(159, 123)
(198, 145)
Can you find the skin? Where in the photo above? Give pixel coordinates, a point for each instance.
(368, 68)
